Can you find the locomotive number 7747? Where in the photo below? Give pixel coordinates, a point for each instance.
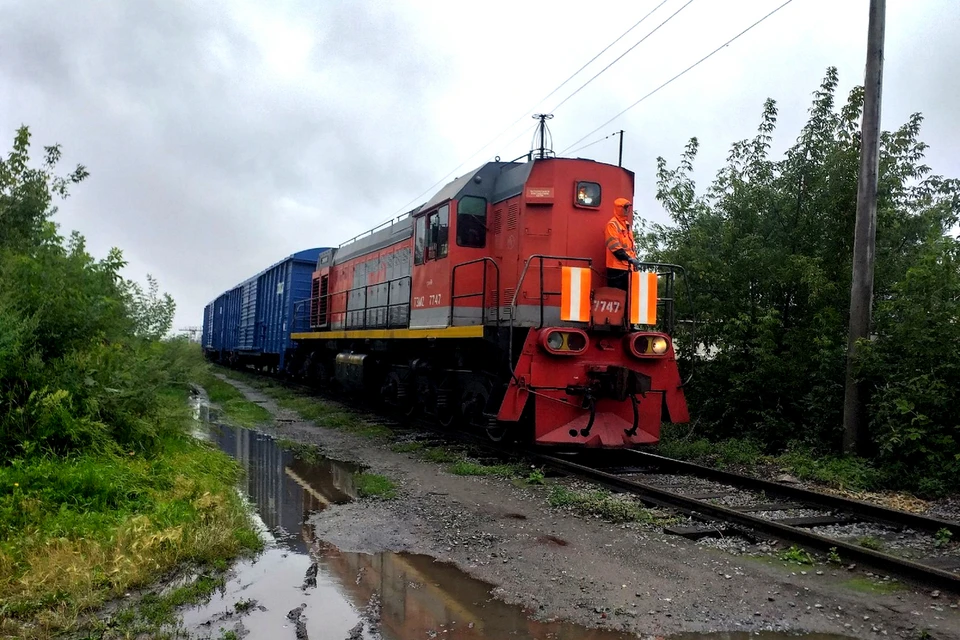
(610, 306)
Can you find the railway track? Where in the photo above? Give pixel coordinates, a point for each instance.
(730, 502)
(722, 502)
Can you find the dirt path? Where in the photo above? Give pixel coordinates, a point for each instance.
(629, 577)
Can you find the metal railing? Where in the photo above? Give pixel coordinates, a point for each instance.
(516, 294)
(523, 274)
(303, 309)
(482, 293)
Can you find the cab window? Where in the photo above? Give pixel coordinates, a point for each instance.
(472, 222)
(588, 195)
(439, 228)
(420, 240)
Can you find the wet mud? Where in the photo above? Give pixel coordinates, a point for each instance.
(301, 587)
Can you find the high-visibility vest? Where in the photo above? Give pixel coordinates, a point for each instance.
(618, 236)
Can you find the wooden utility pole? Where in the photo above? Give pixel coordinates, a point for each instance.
(864, 241)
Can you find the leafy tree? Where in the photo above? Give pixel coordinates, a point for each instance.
(26, 193)
(80, 367)
(152, 313)
(768, 249)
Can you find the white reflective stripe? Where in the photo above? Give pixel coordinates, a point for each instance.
(575, 295)
(642, 302)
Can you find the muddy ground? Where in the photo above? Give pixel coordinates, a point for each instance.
(628, 577)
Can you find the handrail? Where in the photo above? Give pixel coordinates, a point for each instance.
(483, 291)
(523, 275)
(516, 294)
(382, 225)
(304, 306)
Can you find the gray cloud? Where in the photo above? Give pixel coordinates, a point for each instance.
(224, 135)
(192, 136)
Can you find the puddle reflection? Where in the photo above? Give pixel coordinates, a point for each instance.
(301, 587)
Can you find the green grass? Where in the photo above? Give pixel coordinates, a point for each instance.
(325, 414)
(870, 542)
(234, 405)
(407, 447)
(441, 455)
(725, 453)
(851, 473)
(864, 585)
(372, 485)
(536, 476)
(77, 532)
(159, 610)
(604, 504)
(796, 555)
(307, 452)
(469, 468)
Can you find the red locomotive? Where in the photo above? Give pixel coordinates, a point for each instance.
(489, 306)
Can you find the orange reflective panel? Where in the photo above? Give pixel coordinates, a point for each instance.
(643, 297)
(575, 294)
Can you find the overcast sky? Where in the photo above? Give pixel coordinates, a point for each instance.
(224, 135)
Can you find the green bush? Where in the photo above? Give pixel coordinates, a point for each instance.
(768, 253)
(101, 488)
(80, 364)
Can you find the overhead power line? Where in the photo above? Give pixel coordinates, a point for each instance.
(590, 144)
(546, 97)
(691, 67)
(617, 59)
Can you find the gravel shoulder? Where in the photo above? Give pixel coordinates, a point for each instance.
(629, 577)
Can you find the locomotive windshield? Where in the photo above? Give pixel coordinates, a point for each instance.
(471, 222)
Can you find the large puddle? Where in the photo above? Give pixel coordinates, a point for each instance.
(300, 587)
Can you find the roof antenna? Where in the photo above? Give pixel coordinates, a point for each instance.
(543, 148)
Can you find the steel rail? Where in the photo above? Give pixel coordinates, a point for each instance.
(849, 505)
(661, 497)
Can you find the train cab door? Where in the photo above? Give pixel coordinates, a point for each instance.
(430, 297)
(320, 299)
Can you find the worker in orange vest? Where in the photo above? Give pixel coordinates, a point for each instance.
(621, 252)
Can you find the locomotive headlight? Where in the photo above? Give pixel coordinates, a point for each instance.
(566, 342)
(658, 345)
(555, 340)
(647, 345)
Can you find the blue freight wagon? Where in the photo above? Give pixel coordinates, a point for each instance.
(251, 323)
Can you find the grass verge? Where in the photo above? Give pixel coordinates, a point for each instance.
(844, 473)
(407, 447)
(865, 585)
(309, 453)
(79, 531)
(372, 485)
(470, 468)
(156, 612)
(235, 407)
(322, 413)
(605, 505)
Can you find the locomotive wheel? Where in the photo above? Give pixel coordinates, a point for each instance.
(498, 431)
(448, 404)
(394, 394)
(448, 413)
(473, 403)
(322, 375)
(476, 396)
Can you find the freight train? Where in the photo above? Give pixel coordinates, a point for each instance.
(486, 307)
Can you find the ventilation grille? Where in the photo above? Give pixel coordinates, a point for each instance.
(513, 212)
(508, 294)
(497, 221)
